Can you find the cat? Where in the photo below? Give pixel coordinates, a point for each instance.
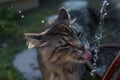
(61, 49)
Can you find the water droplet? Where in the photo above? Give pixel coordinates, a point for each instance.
(11, 6)
(104, 2)
(20, 11)
(95, 50)
(22, 16)
(98, 36)
(92, 73)
(94, 64)
(94, 59)
(105, 14)
(107, 4)
(42, 21)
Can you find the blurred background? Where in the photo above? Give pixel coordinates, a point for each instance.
(21, 16)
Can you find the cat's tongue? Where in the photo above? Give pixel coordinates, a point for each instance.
(86, 56)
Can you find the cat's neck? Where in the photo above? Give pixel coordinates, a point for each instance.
(66, 72)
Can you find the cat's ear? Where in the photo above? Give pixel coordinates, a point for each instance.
(63, 14)
(33, 39)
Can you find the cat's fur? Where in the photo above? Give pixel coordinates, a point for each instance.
(61, 49)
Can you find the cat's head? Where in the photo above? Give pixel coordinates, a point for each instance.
(61, 43)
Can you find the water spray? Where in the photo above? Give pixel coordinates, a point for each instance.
(98, 35)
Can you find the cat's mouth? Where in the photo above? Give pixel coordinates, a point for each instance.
(86, 56)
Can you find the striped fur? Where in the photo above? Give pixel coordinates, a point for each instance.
(60, 48)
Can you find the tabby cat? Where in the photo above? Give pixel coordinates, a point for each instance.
(61, 49)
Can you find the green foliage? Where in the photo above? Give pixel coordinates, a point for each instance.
(7, 23)
(7, 52)
(6, 14)
(12, 38)
(9, 73)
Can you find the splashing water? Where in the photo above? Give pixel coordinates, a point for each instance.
(98, 35)
(103, 12)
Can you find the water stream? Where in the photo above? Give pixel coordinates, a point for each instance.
(99, 35)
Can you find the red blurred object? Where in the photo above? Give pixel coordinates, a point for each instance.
(118, 76)
(112, 68)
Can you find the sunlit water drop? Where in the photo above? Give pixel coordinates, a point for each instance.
(42, 21)
(22, 16)
(20, 12)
